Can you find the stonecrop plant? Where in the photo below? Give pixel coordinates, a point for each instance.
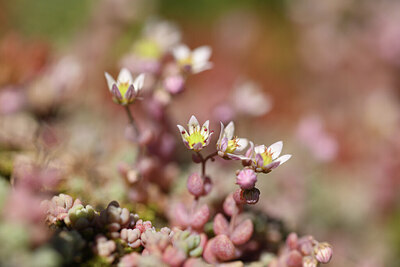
(191, 231)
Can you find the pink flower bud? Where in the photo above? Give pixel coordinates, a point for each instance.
(221, 225)
(251, 195)
(224, 248)
(230, 206)
(195, 185)
(242, 233)
(174, 84)
(323, 252)
(238, 197)
(294, 259)
(291, 241)
(246, 179)
(200, 217)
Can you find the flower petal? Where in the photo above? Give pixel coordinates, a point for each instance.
(125, 76)
(181, 52)
(193, 124)
(236, 157)
(224, 144)
(205, 130)
(283, 159)
(242, 144)
(259, 149)
(110, 80)
(138, 83)
(201, 54)
(271, 166)
(259, 160)
(249, 152)
(276, 149)
(183, 132)
(229, 130)
(201, 66)
(221, 133)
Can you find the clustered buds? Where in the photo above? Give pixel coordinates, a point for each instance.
(304, 251)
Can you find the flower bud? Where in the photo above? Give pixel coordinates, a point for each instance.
(246, 179)
(309, 262)
(224, 248)
(195, 185)
(323, 252)
(291, 241)
(294, 259)
(174, 84)
(251, 195)
(242, 233)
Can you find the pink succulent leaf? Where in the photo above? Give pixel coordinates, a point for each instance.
(200, 217)
(221, 225)
(242, 232)
(223, 248)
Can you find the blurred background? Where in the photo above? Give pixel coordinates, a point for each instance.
(323, 76)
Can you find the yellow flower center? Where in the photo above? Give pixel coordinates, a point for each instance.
(232, 145)
(123, 87)
(267, 156)
(194, 138)
(186, 61)
(147, 49)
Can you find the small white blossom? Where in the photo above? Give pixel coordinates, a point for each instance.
(267, 158)
(198, 137)
(229, 145)
(193, 61)
(126, 89)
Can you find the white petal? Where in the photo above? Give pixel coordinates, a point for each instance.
(283, 159)
(276, 149)
(201, 66)
(193, 124)
(229, 130)
(201, 54)
(125, 76)
(242, 144)
(221, 133)
(110, 80)
(259, 149)
(181, 52)
(138, 83)
(183, 132)
(205, 130)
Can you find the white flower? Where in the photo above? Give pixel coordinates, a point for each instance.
(198, 137)
(164, 33)
(229, 145)
(193, 61)
(266, 158)
(126, 89)
(249, 98)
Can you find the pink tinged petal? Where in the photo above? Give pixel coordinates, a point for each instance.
(259, 160)
(229, 130)
(197, 146)
(271, 166)
(236, 157)
(110, 80)
(220, 225)
(242, 233)
(125, 76)
(276, 149)
(205, 130)
(249, 152)
(224, 144)
(283, 159)
(115, 92)
(183, 132)
(259, 149)
(130, 93)
(242, 144)
(138, 83)
(181, 52)
(208, 139)
(193, 124)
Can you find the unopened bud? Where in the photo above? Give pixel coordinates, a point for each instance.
(174, 84)
(309, 262)
(195, 185)
(323, 252)
(291, 241)
(251, 195)
(246, 179)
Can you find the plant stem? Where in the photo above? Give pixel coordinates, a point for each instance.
(132, 121)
